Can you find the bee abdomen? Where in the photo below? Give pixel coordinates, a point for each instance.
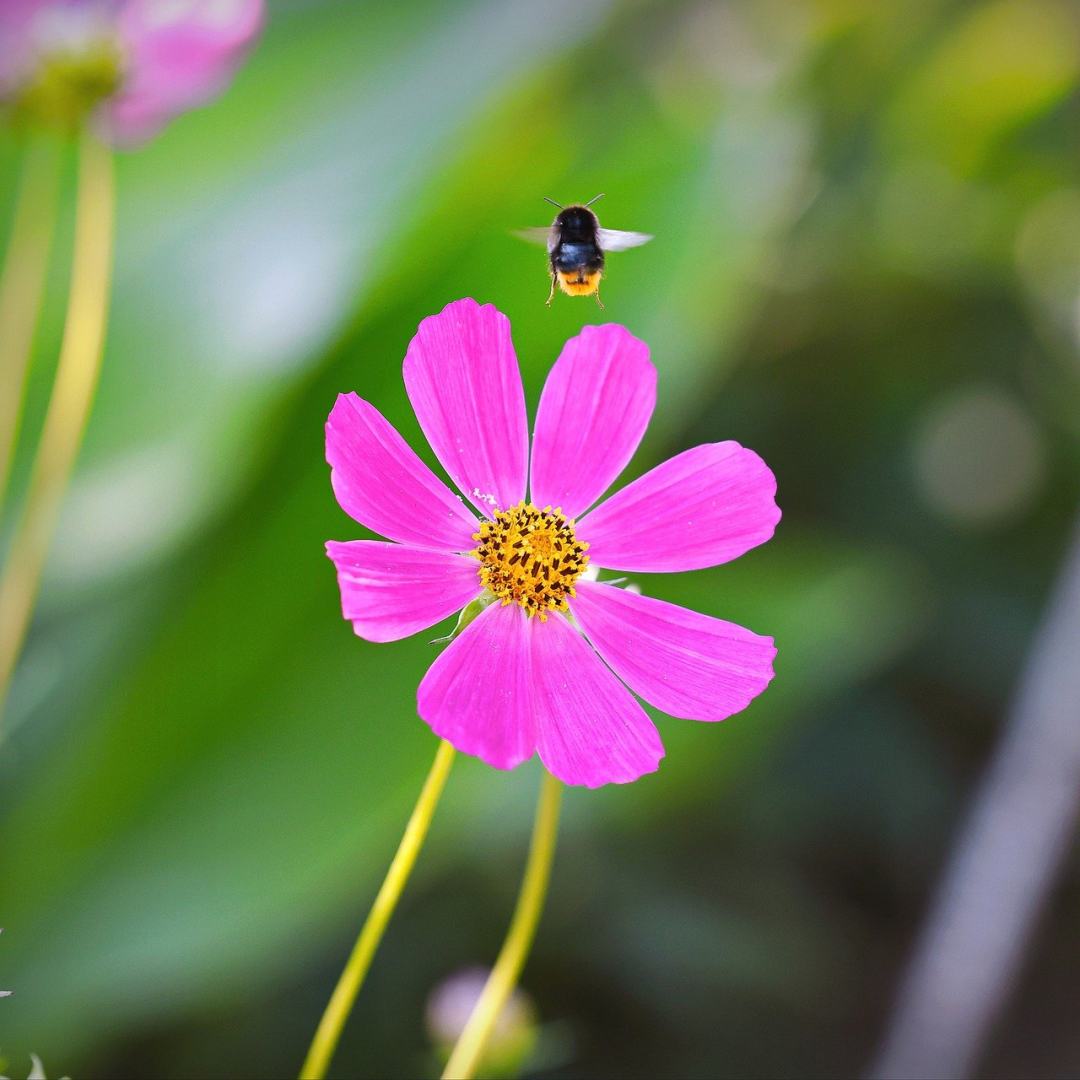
(578, 282)
(568, 258)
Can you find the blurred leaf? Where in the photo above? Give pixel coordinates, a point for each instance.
(1003, 64)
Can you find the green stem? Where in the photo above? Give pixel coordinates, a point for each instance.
(469, 1051)
(352, 978)
(69, 406)
(22, 286)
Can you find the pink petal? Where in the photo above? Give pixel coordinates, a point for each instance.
(18, 41)
(595, 408)
(379, 481)
(590, 730)
(390, 591)
(700, 508)
(462, 378)
(179, 55)
(477, 693)
(680, 661)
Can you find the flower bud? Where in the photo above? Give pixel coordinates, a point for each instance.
(515, 1033)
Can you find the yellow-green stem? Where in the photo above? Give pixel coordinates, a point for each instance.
(22, 285)
(469, 1051)
(69, 406)
(352, 978)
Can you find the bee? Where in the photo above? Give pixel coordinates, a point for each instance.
(576, 247)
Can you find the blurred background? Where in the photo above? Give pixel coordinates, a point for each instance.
(866, 267)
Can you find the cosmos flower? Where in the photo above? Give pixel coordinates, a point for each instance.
(553, 660)
(129, 65)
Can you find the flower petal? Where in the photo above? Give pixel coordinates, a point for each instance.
(178, 56)
(700, 508)
(462, 378)
(590, 730)
(477, 694)
(18, 41)
(390, 591)
(680, 661)
(595, 408)
(379, 481)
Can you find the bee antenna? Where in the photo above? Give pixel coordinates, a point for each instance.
(594, 198)
(554, 203)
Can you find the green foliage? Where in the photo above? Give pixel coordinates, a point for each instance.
(210, 772)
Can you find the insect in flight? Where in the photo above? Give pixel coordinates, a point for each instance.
(576, 246)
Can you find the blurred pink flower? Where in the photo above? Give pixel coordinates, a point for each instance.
(133, 64)
(516, 681)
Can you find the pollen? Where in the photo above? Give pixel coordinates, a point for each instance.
(530, 557)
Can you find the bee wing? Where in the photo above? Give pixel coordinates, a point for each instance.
(538, 234)
(617, 240)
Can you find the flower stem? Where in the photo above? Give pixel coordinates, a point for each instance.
(69, 406)
(504, 975)
(22, 285)
(348, 986)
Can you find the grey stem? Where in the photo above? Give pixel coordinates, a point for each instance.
(1004, 862)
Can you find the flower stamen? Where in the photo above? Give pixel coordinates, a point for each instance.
(530, 557)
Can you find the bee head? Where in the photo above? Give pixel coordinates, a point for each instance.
(576, 219)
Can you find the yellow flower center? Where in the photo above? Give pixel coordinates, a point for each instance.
(68, 83)
(530, 557)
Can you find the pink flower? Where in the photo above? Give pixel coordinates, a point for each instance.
(550, 667)
(132, 64)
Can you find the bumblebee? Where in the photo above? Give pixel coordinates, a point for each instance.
(576, 247)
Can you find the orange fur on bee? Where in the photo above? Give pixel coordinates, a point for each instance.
(579, 283)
